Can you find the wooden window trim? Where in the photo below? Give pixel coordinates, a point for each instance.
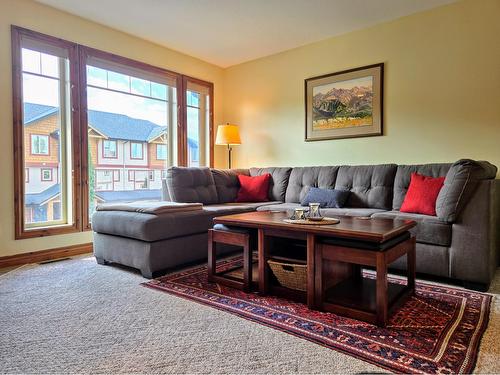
(210, 86)
(17, 33)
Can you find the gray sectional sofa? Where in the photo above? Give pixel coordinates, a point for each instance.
(460, 243)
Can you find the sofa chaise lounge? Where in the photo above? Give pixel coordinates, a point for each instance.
(460, 243)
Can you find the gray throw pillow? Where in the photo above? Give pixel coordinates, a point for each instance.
(327, 198)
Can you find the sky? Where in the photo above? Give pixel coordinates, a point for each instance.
(42, 90)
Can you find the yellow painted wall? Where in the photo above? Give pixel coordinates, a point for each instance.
(442, 92)
(38, 17)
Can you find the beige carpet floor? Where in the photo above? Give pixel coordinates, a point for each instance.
(75, 316)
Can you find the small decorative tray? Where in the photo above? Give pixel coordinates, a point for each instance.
(325, 221)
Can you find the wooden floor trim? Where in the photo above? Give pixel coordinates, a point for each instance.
(43, 255)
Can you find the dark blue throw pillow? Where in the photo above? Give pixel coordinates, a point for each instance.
(327, 198)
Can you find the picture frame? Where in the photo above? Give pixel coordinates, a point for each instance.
(345, 104)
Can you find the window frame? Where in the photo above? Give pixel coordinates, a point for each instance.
(104, 156)
(20, 230)
(77, 56)
(184, 133)
(48, 144)
(132, 157)
(51, 173)
(157, 149)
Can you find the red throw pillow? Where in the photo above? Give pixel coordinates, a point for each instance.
(253, 189)
(422, 194)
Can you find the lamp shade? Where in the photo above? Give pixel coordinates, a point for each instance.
(228, 135)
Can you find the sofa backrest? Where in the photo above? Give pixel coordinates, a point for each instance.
(303, 178)
(227, 183)
(370, 185)
(191, 185)
(461, 178)
(279, 181)
(403, 176)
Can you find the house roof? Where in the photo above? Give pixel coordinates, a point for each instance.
(118, 126)
(34, 112)
(112, 125)
(35, 199)
(129, 195)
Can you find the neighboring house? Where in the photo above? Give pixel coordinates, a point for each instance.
(128, 157)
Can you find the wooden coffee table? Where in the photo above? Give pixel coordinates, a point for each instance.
(334, 256)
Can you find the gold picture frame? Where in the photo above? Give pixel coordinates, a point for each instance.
(345, 104)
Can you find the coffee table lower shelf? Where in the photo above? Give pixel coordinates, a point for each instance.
(358, 297)
(354, 296)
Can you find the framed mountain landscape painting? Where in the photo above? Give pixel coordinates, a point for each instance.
(345, 104)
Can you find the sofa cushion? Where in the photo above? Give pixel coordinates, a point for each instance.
(147, 227)
(303, 178)
(459, 183)
(371, 186)
(403, 176)
(279, 181)
(227, 184)
(191, 185)
(324, 211)
(429, 229)
(150, 228)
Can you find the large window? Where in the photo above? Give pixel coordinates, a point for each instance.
(44, 126)
(199, 122)
(92, 127)
(135, 106)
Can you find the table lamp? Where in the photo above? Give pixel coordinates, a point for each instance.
(228, 135)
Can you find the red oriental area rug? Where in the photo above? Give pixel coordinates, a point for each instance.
(436, 331)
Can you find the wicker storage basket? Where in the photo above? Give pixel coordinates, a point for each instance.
(290, 275)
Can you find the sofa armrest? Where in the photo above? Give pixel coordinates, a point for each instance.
(474, 251)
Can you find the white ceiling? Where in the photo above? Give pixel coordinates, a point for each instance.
(228, 32)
